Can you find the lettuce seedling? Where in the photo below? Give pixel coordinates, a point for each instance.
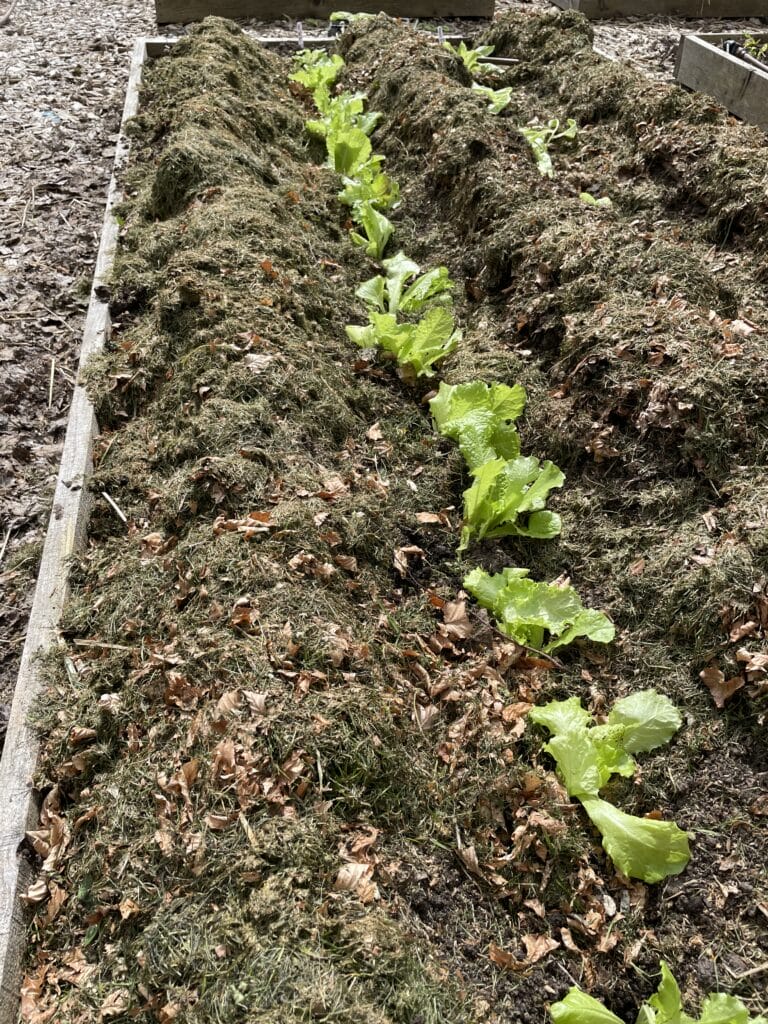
(588, 755)
(416, 346)
(316, 69)
(604, 203)
(472, 58)
(390, 295)
(349, 149)
(479, 418)
(665, 1006)
(540, 137)
(507, 498)
(341, 112)
(378, 230)
(543, 616)
(498, 99)
(370, 185)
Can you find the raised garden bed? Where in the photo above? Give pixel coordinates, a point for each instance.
(171, 11)
(287, 762)
(740, 86)
(670, 8)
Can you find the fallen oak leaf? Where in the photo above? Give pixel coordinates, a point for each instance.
(402, 556)
(722, 689)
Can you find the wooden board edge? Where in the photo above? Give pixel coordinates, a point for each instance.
(64, 537)
(745, 88)
(169, 12)
(599, 9)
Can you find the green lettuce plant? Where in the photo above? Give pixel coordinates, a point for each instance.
(665, 1006)
(370, 185)
(540, 137)
(507, 498)
(376, 230)
(498, 99)
(543, 616)
(472, 59)
(479, 418)
(340, 113)
(416, 346)
(316, 69)
(393, 294)
(588, 755)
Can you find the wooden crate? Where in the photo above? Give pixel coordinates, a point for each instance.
(742, 88)
(169, 11)
(675, 8)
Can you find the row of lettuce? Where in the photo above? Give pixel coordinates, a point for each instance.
(410, 316)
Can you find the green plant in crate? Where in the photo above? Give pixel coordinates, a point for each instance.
(540, 137)
(587, 755)
(543, 616)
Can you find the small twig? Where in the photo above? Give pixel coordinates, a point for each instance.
(50, 382)
(7, 16)
(103, 646)
(5, 543)
(116, 507)
(747, 974)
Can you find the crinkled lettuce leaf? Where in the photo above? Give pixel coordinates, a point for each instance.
(579, 1008)
(377, 228)
(392, 294)
(479, 417)
(529, 611)
(315, 68)
(641, 848)
(418, 346)
(649, 719)
(507, 497)
(498, 99)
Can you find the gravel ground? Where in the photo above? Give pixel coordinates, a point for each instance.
(63, 69)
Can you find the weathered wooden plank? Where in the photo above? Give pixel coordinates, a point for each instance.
(675, 8)
(66, 533)
(170, 11)
(741, 88)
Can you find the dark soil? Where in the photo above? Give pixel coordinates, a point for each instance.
(289, 790)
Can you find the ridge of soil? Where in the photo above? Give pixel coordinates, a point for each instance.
(284, 786)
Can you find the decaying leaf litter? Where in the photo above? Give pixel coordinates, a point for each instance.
(291, 772)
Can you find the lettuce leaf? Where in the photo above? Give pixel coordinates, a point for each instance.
(315, 68)
(639, 847)
(417, 346)
(370, 185)
(526, 610)
(498, 99)
(579, 1008)
(391, 295)
(341, 112)
(649, 719)
(664, 1007)
(378, 228)
(502, 492)
(471, 58)
(348, 149)
(479, 418)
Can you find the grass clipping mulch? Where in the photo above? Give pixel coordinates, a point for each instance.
(288, 776)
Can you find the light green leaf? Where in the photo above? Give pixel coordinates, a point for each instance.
(315, 69)
(370, 185)
(502, 491)
(471, 58)
(433, 338)
(378, 230)
(639, 847)
(667, 999)
(373, 293)
(348, 149)
(649, 720)
(560, 715)
(589, 623)
(479, 418)
(498, 99)
(579, 1008)
(391, 294)
(720, 1008)
(578, 763)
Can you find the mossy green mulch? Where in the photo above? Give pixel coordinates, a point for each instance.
(287, 781)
